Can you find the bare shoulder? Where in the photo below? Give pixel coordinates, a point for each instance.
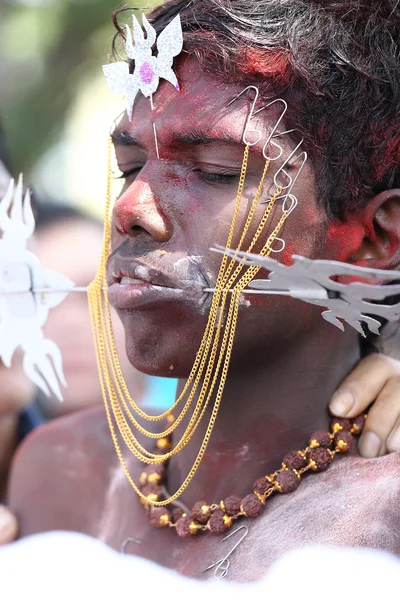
(57, 468)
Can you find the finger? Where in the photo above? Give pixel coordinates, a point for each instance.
(8, 526)
(359, 389)
(381, 421)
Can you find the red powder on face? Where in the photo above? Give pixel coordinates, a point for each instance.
(344, 238)
(287, 253)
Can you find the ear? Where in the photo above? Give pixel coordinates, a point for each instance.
(380, 246)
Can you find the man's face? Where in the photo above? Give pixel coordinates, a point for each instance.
(172, 210)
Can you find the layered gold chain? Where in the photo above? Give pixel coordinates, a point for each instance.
(210, 369)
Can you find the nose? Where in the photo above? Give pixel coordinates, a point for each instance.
(137, 212)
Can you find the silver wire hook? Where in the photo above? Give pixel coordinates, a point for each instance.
(273, 133)
(222, 565)
(129, 540)
(250, 116)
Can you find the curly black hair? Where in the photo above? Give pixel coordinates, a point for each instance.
(336, 63)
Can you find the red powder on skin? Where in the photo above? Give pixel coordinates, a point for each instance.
(288, 252)
(344, 238)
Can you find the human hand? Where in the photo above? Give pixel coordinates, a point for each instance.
(375, 379)
(8, 526)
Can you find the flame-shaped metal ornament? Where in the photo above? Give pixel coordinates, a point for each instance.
(316, 282)
(25, 300)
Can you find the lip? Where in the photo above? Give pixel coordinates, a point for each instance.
(133, 296)
(151, 285)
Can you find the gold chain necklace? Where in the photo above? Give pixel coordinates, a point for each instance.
(210, 369)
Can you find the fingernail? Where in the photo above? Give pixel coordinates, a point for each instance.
(393, 442)
(342, 402)
(370, 445)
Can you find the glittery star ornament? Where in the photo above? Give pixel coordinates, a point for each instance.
(148, 69)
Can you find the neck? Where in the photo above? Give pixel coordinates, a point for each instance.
(267, 411)
(8, 442)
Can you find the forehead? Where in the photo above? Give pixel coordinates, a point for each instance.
(202, 107)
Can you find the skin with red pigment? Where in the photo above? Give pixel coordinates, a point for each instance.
(286, 362)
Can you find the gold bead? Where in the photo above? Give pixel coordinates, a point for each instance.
(313, 465)
(206, 509)
(143, 478)
(336, 427)
(193, 528)
(284, 467)
(222, 505)
(298, 475)
(227, 521)
(261, 498)
(170, 419)
(164, 444)
(149, 499)
(355, 430)
(154, 478)
(342, 446)
(165, 520)
(314, 444)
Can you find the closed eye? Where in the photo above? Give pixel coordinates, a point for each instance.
(130, 172)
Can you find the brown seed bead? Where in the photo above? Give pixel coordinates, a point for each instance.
(160, 517)
(320, 459)
(344, 441)
(152, 492)
(184, 527)
(340, 425)
(287, 482)
(357, 425)
(320, 438)
(251, 506)
(177, 513)
(232, 505)
(201, 512)
(218, 523)
(261, 486)
(294, 460)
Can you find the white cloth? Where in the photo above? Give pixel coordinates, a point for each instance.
(71, 566)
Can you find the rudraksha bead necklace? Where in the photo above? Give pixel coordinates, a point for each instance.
(218, 518)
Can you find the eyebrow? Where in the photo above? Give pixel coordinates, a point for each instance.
(194, 137)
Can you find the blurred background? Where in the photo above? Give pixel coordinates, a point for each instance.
(55, 107)
(56, 112)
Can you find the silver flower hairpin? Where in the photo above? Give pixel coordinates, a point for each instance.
(311, 281)
(148, 69)
(24, 298)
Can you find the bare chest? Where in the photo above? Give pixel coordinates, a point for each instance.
(355, 503)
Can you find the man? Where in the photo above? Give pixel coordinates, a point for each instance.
(286, 361)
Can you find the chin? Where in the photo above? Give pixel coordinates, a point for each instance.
(162, 343)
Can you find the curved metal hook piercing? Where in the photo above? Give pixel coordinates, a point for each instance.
(224, 563)
(273, 134)
(129, 540)
(292, 181)
(250, 116)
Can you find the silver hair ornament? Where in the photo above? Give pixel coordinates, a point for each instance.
(148, 69)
